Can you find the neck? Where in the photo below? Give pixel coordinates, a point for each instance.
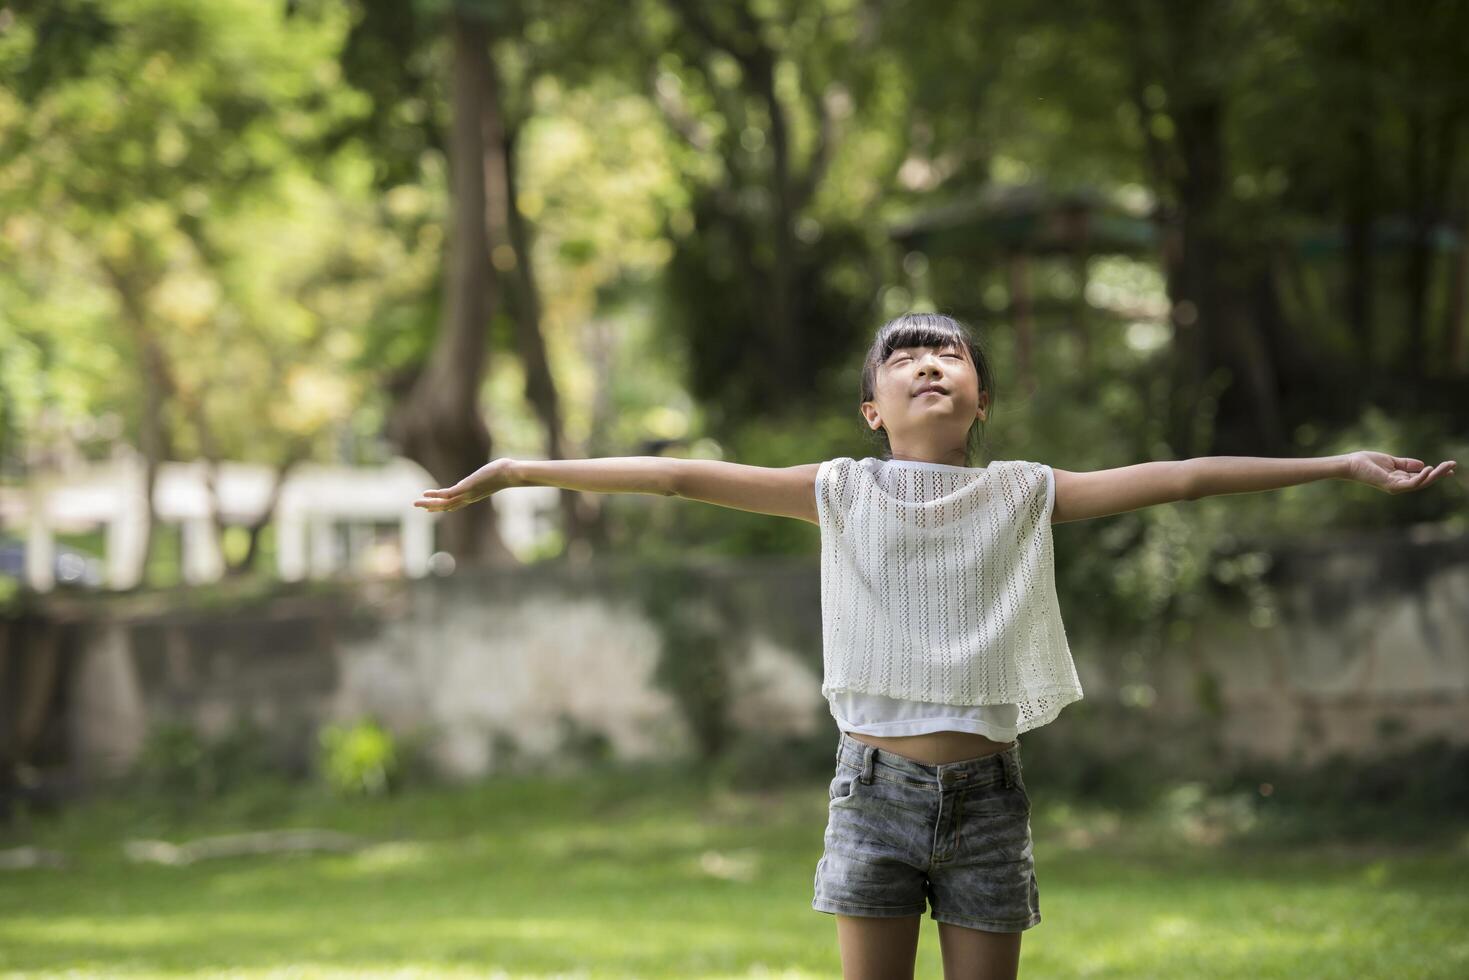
(952, 458)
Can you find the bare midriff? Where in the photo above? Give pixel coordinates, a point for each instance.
(935, 748)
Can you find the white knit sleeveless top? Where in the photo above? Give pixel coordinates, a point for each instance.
(938, 584)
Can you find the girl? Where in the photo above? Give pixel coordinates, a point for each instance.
(941, 636)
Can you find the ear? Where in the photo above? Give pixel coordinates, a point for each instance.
(869, 412)
(984, 404)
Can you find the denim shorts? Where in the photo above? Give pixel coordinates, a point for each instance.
(902, 836)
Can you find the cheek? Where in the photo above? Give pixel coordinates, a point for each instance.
(889, 390)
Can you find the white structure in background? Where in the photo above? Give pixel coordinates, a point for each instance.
(316, 503)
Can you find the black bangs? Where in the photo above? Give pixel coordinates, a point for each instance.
(919, 330)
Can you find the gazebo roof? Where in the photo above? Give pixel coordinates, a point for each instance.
(1032, 219)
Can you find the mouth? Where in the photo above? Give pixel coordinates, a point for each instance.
(933, 390)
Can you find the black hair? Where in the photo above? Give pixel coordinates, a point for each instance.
(927, 330)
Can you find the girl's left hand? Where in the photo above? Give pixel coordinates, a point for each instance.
(1394, 474)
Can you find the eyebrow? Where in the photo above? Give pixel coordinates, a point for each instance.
(951, 345)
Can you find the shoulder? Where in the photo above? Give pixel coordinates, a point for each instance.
(1030, 480)
(847, 464)
(834, 474)
(1025, 469)
(828, 467)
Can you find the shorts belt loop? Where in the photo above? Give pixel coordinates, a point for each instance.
(869, 762)
(1007, 764)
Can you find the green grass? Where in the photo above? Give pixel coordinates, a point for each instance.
(642, 874)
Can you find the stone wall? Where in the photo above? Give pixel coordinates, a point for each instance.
(1371, 643)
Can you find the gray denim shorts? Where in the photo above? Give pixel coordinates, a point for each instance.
(902, 836)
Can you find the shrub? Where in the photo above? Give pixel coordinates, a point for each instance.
(360, 759)
(177, 761)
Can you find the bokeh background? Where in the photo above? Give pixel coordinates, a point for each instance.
(270, 269)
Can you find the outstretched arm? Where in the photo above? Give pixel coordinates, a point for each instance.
(780, 491)
(1080, 495)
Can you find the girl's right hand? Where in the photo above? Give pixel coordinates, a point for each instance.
(494, 475)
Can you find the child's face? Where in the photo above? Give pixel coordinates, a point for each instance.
(920, 422)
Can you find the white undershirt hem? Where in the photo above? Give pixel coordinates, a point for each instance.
(894, 716)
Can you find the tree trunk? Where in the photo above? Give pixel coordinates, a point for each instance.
(781, 327)
(1021, 318)
(1219, 274)
(1416, 270)
(1441, 191)
(1191, 286)
(1361, 149)
(776, 269)
(439, 423)
(1456, 338)
(1209, 272)
(246, 565)
(154, 442)
(578, 513)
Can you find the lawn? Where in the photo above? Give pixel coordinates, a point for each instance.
(642, 874)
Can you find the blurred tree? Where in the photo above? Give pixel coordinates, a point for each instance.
(1221, 111)
(134, 134)
(1183, 53)
(1387, 95)
(1239, 111)
(392, 53)
(770, 279)
(438, 421)
(266, 209)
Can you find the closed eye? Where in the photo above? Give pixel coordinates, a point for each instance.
(898, 357)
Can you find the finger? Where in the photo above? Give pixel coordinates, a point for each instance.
(1430, 474)
(1408, 463)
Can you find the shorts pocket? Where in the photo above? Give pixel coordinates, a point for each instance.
(844, 784)
(1024, 793)
(999, 798)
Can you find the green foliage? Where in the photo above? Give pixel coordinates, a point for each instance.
(1208, 694)
(699, 629)
(758, 761)
(1100, 756)
(581, 745)
(359, 759)
(167, 228)
(264, 186)
(1429, 436)
(1408, 786)
(10, 594)
(178, 763)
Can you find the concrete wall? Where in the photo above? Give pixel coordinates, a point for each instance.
(1365, 646)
